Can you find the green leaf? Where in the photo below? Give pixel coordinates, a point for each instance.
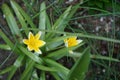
(61, 70)
(11, 20)
(62, 52)
(104, 58)
(6, 70)
(99, 4)
(55, 42)
(24, 14)
(5, 47)
(7, 40)
(54, 74)
(62, 20)
(42, 76)
(16, 65)
(19, 16)
(91, 36)
(44, 68)
(54, 45)
(81, 66)
(77, 54)
(58, 53)
(31, 55)
(48, 24)
(29, 67)
(42, 19)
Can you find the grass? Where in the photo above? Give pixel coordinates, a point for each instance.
(97, 57)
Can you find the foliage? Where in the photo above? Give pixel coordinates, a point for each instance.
(102, 4)
(35, 66)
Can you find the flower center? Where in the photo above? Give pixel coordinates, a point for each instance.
(33, 43)
(72, 42)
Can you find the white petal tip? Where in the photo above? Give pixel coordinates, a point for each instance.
(66, 44)
(40, 32)
(71, 52)
(39, 52)
(79, 41)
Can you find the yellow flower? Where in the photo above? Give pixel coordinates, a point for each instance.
(72, 41)
(33, 42)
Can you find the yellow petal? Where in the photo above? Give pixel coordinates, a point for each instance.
(30, 36)
(25, 41)
(65, 40)
(37, 36)
(40, 43)
(37, 50)
(30, 48)
(73, 38)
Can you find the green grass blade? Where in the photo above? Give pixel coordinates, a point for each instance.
(42, 76)
(77, 54)
(42, 19)
(5, 47)
(6, 70)
(12, 72)
(24, 14)
(48, 24)
(7, 40)
(91, 36)
(44, 68)
(28, 69)
(62, 20)
(11, 20)
(81, 66)
(54, 74)
(31, 55)
(20, 17)
(55, 42)
(16, 65)
(62, 38)
(62, 52)
(58, 53)
(61, 70)
(104, 58)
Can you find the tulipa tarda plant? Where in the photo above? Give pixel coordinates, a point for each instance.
(38, 53)
(40, 46)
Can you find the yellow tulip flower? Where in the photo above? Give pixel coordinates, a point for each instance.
(33, 42)
(72, 41)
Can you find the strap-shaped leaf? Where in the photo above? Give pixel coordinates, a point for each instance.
(5, 70)
(42, 76)
(44, 68)
(61, 70)
(16, 65)
(24, 14)
(5, 47)
(31, 55)
(28, 70)
(7, 40)
(42, 19)
(63, 19)
(60, 22)
(62, 52)
(54, 74)
(11, 20)
(20, 17)
(80, 68)
(98, 56)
